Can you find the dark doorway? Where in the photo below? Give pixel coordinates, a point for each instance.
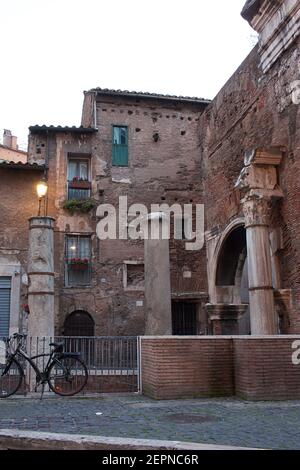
(78, 327)
(79, 323)
(184, 318)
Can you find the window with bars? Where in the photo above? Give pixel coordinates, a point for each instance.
(120, 146)
(78, 260)
(79, 184)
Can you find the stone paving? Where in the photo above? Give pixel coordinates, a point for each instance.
(272, 425)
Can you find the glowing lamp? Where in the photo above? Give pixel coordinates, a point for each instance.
(41, 189)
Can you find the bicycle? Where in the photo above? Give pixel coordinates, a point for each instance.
(65, 373)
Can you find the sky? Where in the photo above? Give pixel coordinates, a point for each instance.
(53, 50)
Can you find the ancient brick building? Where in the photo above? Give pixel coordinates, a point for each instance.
(160, 164)
(238, 155)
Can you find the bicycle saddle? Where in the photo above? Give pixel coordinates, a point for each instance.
(58, 347)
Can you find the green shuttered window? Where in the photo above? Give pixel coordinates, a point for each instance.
(120, 146)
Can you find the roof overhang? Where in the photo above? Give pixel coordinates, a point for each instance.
(63, 129)
(11, 165)
(150, 96)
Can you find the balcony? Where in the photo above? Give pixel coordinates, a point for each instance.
(79, 188)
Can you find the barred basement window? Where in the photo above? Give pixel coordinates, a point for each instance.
(78, 260)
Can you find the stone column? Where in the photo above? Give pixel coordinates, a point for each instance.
(157, 279)
(41, 277)
(261, 296)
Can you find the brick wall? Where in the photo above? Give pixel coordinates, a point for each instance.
(253, 368)
(264, 369)
(18, 202)
(255, 110)
(180, 368)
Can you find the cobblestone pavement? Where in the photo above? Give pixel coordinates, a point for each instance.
(268, 425)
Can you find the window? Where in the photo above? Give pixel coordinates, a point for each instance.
(79, 185)
(133, 275)
(78, 260)
(120, 146)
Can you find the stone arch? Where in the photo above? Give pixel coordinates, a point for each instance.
(226, 284)
(231, 257)
(229, 281)
(79, 323)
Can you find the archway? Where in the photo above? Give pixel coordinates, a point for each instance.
(231, 285)
(231, 257)
(79, 326)
(79, 323)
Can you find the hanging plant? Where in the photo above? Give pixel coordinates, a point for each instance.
(80, 205)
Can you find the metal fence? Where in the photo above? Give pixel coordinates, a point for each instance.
(112, 361)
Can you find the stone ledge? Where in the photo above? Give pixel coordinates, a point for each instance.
(33, 440)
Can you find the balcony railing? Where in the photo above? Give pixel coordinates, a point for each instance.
(79, 189)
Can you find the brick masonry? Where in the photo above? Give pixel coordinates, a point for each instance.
(167, 171)
(189, 367)
(198, 157)
(256, 368)
(255, 110)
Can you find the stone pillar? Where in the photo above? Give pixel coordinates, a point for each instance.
(224, 318)
(258, 181)
(41, 277)
(261, 296)
(157, 280)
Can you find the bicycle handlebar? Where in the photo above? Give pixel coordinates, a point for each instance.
(18, 335)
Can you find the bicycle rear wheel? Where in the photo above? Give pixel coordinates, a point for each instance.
(11, 376)
(67, 375)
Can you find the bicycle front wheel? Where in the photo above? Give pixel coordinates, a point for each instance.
(67, 375)
(11, 376)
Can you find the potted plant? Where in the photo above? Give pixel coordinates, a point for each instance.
(80, 205)
(79, 263)
(79, 183)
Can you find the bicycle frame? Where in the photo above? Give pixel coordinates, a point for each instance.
(41, 376)
(55, 356)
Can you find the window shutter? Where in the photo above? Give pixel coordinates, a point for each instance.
(120, 146)
(5, 289)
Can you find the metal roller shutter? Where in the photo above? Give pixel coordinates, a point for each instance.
(5, 289)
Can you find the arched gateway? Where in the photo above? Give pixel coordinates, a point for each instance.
(228, 312)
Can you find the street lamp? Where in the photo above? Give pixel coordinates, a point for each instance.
(41, 189)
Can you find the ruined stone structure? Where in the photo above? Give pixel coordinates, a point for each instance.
(238, 155)
(250, 157)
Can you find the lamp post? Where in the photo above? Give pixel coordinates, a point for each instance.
(42, 189)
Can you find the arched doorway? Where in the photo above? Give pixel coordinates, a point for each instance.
(231, 280)
(79, 326)
(79, 323)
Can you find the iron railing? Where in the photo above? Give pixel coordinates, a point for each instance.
(112, 361)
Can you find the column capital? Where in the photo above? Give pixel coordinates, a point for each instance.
(41, 222)
(257, 209)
